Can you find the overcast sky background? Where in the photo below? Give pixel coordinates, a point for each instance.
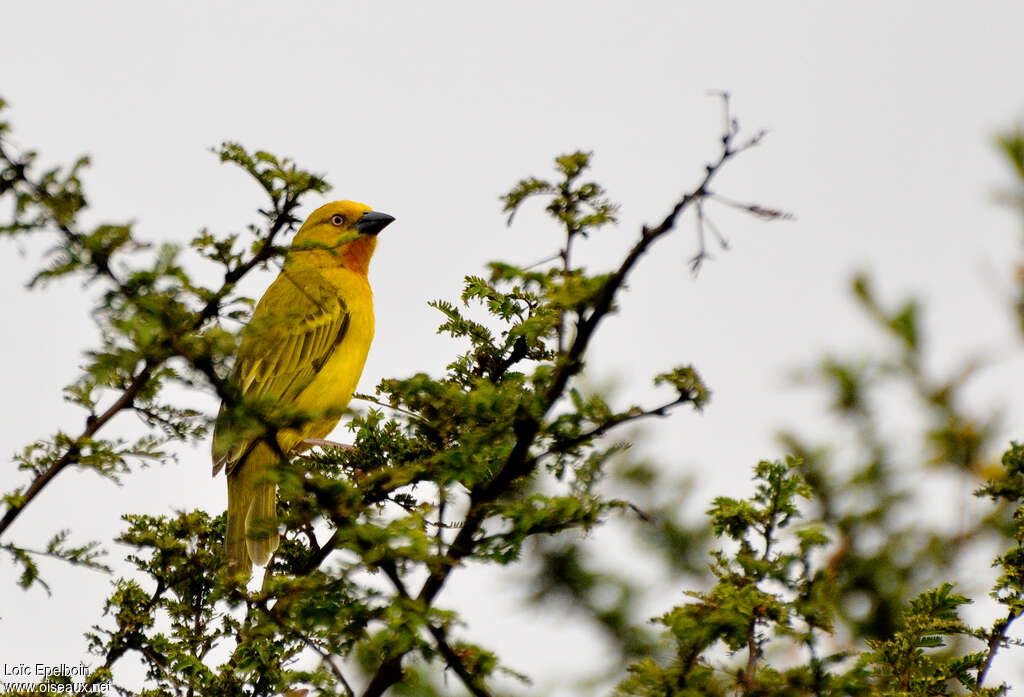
(881, 117)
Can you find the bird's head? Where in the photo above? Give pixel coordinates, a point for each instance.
(342, 233)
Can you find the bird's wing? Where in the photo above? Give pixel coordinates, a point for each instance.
(296, 327)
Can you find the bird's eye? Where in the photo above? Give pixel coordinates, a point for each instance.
(337, 220)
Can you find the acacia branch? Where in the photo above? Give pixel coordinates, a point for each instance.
(617, 420)
(440, 636)
(70, 456)
(116, 653)
(753, 653)
(282, 218)
(995, 641)
(274, 614)
(389, 673)
(526, 426)
(87, 563)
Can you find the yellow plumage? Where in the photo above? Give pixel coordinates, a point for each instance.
(305, 348)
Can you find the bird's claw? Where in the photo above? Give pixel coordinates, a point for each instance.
(313, 442)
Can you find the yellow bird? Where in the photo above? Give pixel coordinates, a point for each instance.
(303, 348)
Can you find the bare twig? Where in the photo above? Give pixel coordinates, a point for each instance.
(753, 208)
(545, 260)
(617, 420)
(373, 400)
(698, 259)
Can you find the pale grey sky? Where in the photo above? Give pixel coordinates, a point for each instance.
(881, 116)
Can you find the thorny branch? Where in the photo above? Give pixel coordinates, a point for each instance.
(526, 426)
(281, 219)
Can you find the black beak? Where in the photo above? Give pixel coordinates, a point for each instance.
(372, 222)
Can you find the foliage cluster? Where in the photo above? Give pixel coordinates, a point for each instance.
(500, 459)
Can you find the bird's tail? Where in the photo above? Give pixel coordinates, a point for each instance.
(262, 519)
(251, 535)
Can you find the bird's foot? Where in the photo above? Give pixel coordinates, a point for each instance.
(313, 442)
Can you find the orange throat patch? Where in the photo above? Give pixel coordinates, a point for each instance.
(356, 255)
